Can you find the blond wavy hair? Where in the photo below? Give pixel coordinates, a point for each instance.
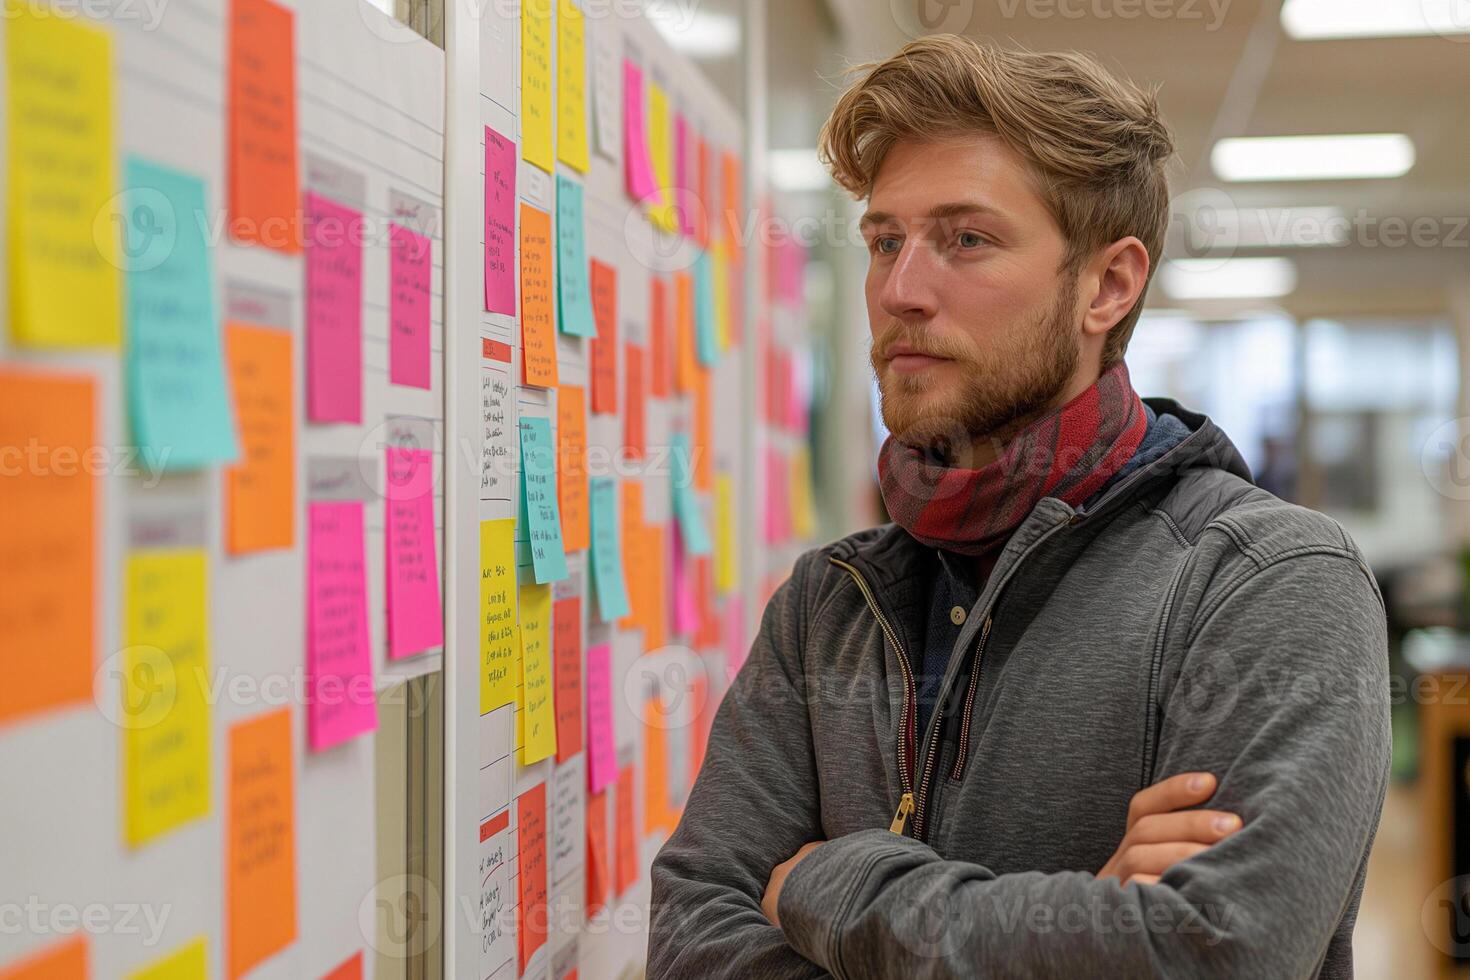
(1094, 142)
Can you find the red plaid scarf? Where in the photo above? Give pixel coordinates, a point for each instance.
(1068, 453)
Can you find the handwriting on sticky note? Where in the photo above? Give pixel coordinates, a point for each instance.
(604, 346)
(571, 466)
(341, 701)
(566, 641)
(602, 763)
(262, 126)
(415, 612)
(571, 87)
(260, 835)
(537, 132)
(409, 273)
(573, 293)
(538, 328)
(333, 311)
(607, 550)
(260, 490)
(500, 223)
(536, 717)
(499, 633)
(538, 489)
(531, 866)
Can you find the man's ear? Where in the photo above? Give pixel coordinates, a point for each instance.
(1114, 280)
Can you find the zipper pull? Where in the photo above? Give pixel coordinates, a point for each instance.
(905, 807)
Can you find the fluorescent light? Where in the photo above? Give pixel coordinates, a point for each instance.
(695, 32)
(1312, 20)
(1339, 157)
(1213, 228)
(1228, 278)
(797, 170)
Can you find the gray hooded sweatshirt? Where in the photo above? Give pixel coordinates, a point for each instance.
(1185, 620)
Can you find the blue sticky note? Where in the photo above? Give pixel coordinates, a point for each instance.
(538, 498)
(573, 290)
(686, 503)
(178, 402)
(706, 345)
(607, 550)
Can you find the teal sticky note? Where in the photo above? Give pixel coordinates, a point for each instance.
(178, 402)
(538, 498)
(573, 290)
(607, 550)
(706, 346)
(686, 503)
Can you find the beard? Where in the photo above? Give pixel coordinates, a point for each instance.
(984, 394)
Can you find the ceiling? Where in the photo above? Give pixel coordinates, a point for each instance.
(1226, 68)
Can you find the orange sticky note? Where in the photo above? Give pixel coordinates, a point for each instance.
(64, 960)
(634, 570)
(658, 338)
(566, 645)
(48, 560)
(598, 875)
(624, 836)
(531, 864)
(260, 490)
(350, 969)
(686, 364)
(734, 224)
(655, 768)
(656, 611)
(604, 347)
(704, 446)
(701, 190)
(264, 197)
(699, 731)
(538, 315)
(260, 870)
(634, 438)
(571, 467)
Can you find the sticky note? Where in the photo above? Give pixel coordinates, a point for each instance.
(624, 833)
(340, 696)
(500, 223)
(260, 490)
(602, 763)
(66, 959)
(64, 259)
(660, 369)
(778, 488)
(48, 546)
(260, 841)
(727, 555)
(415, 613)
(701, 193)
(635, 571)
(686, 604)
(178, 402)
(499, 631)
(188, 962)
(734, 223)
(604, 346)
(538, 496)
(655, 768)
(566, 642)
(686, 503)
(803, 519)
(536, 715)
(703, 440)
(334, 236)
(348, 969)
(683, 210)
(660, 154)
(719, 263)
(571, 86)
(607, 551)
(607, 93)
(706, 343)
(571, 466)
(599, 872)
(656, 607)
(532, 918)
(686, 359)
(538, 333)
(573, 293)
(634, 436)
(409, 272)
(638, 177)
(165, 686)
(263, 193)
(536, 122)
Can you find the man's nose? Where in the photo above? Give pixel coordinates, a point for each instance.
(909, 291)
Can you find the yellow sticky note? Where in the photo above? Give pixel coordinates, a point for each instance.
(536, 719)
(499, 644)
(571, 86)
(188, 962)
(803, 518)
(727, 557)
(661, 150)
(536, 126)
(721, 276)
(63, 239)
(165, 709)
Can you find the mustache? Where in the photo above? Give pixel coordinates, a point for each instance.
(917, 342)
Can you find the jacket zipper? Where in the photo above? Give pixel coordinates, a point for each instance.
(959, 760)
(907, 803)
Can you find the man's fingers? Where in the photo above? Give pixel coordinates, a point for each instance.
(1142, 880)
(1198, 826)
(1175, 793)
(1155, 859)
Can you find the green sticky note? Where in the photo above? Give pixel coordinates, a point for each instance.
(706, 345)
(686, 503)
(573, 291)
(607, 550)
(177, 397)
(538, 501)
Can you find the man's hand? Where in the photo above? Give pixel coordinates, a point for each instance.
(778, 878)
(1161, 832)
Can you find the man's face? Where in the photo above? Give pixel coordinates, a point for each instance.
(975, 326)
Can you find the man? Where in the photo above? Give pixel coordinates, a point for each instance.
(1094, 705)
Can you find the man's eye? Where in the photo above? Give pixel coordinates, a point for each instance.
(885, 245)
(970, 239)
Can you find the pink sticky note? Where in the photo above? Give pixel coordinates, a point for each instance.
(682, 194)
(333, 311)
(408, 311)
(637, 167)
(735, 649)
(340, 700)
(602, 762)
(415, 616)
(777, 505)
(686, 603)
(500, 223)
